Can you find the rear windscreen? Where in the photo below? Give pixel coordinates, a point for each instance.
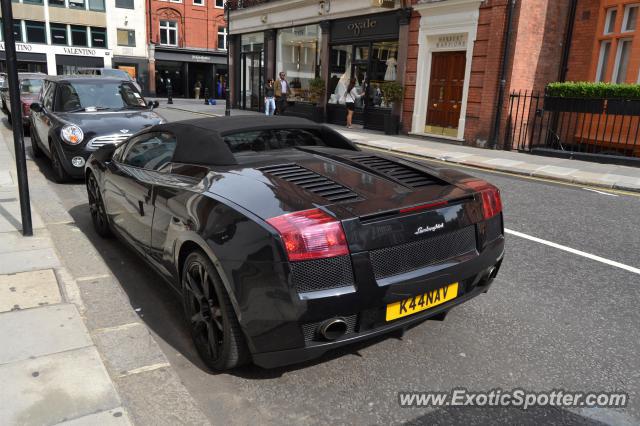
(267, 140)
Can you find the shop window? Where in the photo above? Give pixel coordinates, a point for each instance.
(76, 4)
(603, 60)
(126, 38)
(222, 37)
(58, 34)
(78, 35)
(32, 1)
(58, 3)
(96, 5)
(198, 2)
(340, 69)
(622, 61)
(298, 55)
(610, 21)
(124, 4)
(17, 31)
(99, 37)
(36, 32)
(220, 4)
(253, 42)
(630, 18)
(169, 33)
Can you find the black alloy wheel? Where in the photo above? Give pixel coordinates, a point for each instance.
(59, 173)
(96, 206)
(214, 326)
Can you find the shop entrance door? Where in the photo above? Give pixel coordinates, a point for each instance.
(252, 81)
(360, 71)
(445, 93)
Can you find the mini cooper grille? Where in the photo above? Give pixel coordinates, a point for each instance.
(322, 274)
(405, 175)
(311, 181)
(494, 228)
(310, 330)
(418, 254)
(99, 141)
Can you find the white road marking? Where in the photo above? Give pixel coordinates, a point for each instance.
(145, 369)
(600, 192)
(574, 251)
(116, 328)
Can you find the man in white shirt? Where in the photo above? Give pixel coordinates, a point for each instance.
(282, 92)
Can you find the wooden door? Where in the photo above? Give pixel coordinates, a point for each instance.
(445, 92)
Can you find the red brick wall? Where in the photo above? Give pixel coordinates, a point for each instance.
(410, 73)
(583, 41)
(197, 25)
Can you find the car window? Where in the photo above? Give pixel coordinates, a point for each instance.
(86, 95)
(47, 99)
(265, 140)
(30, 86)
(150, 151)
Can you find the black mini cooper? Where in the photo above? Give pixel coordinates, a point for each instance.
(76, 115)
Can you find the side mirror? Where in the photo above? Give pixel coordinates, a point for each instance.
(36, 107)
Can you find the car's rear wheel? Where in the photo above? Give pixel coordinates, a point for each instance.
(214, 326)
(59, 173)
(35, 149)
(96, 206)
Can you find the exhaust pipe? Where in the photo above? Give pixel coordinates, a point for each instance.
(333, 328)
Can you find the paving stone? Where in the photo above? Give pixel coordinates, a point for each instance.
(106, 303)
(116, 417)
(5, 178)
(28, 290)
(503, 162)
(15, 241)
(41, 331)
(159, 398)
(55, 388)
(28, 260)
(10, 217)
(128, 348)
(71, 243)
(554, 171)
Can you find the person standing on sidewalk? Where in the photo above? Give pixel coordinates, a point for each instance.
(282, 92)
(196, 89)
(350, 97)
(269, 98)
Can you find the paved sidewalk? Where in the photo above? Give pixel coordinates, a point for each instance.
(50, 370)
(565, 170)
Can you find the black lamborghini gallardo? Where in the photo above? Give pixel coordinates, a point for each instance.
(284, 240)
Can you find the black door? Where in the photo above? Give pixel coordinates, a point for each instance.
(129, 186)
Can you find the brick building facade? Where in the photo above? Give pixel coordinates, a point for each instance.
(187, 47)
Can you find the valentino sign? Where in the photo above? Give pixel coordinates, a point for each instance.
(19, 47)
(357, 27)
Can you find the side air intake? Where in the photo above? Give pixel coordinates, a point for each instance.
(405, 175)
(311, 181)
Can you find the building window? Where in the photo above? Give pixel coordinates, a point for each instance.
(97, 5)
(169, 33)
(222, 37)
(610, 20)
(36, 32)
(76, 4)
(622, 61)
(58, 34)
(124, 4)
(32, 1)
(220, 4)
(17, 31)
(630, 18)
(298, 55)
(78, 36)
(198, 2)
(99, 37)
(58, 3)
(603, 60)
(126, 38)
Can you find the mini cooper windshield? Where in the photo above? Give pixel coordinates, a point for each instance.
(92, 96)
(30, 86)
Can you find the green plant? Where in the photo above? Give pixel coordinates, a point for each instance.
(591, 90)
(317, 88)
(392, 91)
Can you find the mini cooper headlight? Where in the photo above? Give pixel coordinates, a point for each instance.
(72, 134)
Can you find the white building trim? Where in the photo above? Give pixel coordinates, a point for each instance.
(444, 18)
(52, 50)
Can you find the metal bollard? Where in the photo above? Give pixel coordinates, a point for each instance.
(169, 93)
(206, 96)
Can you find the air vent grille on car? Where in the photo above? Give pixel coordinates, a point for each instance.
(405, 175)
(311, 181)
(322, 274)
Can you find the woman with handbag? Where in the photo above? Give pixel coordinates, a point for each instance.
(350, 97)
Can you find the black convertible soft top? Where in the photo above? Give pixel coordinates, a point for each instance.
(201, 140)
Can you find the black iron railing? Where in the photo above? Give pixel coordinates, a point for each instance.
(593, 126)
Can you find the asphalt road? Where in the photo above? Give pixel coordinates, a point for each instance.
(552, 320)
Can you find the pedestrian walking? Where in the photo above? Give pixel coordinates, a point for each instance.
(350, 97)
(269, 98)
(282, 92)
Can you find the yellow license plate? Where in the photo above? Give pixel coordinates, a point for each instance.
(421, 302)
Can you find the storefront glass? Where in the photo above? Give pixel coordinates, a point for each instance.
(251, 68)
(170, 74)
(298, 55)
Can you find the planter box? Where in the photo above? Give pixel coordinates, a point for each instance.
(375, 118)
(558, 104)
(391, 124)
(623, 107)
(305, 110)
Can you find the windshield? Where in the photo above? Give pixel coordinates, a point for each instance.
(30, 86)
(78, 96)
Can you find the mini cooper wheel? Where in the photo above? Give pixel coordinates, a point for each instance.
(214, 326)
(96, 206)
(59, 173)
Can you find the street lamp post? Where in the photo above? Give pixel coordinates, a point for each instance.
(16, 116)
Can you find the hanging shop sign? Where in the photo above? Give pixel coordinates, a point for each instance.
(368, 27)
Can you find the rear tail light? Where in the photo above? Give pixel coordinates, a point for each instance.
(491, 202)
(310, 234)
(26, 109)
